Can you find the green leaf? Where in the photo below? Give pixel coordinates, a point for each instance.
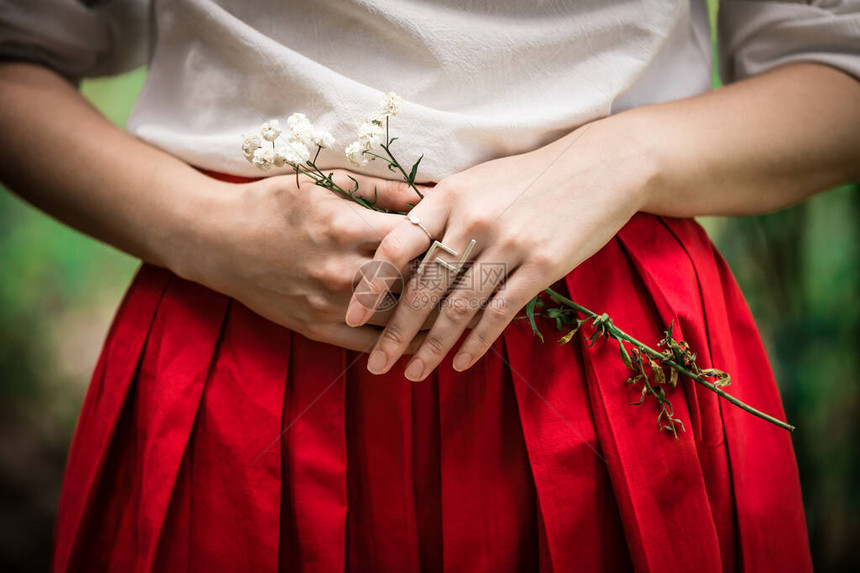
(354, 186)
(530, 313)
(411, 177)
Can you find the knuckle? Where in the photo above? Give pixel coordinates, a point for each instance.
(416, 298)
(318, 304)
(325, 273)
(481, 339)
(393, 334)
(391, 248)
(342, 178)
(542, 259)
(338, 226)
(375, 287)
(508, 242)
(434, 346)
(478, 222)
(496, 313)
(400, 187)
(457, 309)
(338, 280)
(449, 188)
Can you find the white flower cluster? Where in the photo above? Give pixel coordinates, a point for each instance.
(372, 132)
(292, 149)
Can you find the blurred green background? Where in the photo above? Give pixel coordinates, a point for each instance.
(800, 269)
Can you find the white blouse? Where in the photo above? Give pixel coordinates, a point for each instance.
(481, 78)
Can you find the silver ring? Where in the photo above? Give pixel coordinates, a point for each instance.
(417, 222)
(455, 267)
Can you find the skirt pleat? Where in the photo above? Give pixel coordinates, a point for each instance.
(236, 465)
(380, 472)
(579, 517)
(657, 480)
(314, 462)
(214, 440)
(488, 495)
(97, 427)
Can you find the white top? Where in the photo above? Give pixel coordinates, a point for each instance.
(481, 78)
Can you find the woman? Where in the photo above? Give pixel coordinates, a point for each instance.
(235, 420)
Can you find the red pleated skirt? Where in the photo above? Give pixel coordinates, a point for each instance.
(214, 440)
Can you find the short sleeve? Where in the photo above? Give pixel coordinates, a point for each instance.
(756, 36)
(75, 39)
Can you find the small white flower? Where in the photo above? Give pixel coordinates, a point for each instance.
(300, 128)
(250, 144)
(355, 154)
(263, 158)
(282, 155)
(294, 152)
(271, 130)
(370, 135)
(322, 138)
(391, 104)
(375, 117)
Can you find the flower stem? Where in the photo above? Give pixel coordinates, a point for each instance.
(614, 331)
(325, 181)
(393, 161)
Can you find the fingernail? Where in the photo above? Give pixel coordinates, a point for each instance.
(354, 314)
(462, 361)
(376, 362)
(414, 370)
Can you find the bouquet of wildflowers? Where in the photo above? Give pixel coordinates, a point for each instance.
(272, 147)
(654, 372)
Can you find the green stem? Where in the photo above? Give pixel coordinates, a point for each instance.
(660, 356)
(322, 180)
(393, 161)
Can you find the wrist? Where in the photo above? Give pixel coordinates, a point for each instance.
(638, 150)
(200, 218)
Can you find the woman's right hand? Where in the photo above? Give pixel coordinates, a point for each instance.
(290, 253)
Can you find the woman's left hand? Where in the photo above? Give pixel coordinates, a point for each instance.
(534, 217)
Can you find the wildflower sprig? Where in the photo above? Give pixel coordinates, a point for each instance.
(292, 149)
(652, 370)
(272, 147)
(374, 134)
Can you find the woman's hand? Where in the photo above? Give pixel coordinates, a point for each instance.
(536, 215)
(291, 253)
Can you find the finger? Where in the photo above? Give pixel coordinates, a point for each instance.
(357, 227)
(339, 334)
(358, 339)
(395, 196)
(420, 296)
(388, 194)
(423, 291)
(468, 295)
(382, 318)
(495, 317)
(405, 242)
